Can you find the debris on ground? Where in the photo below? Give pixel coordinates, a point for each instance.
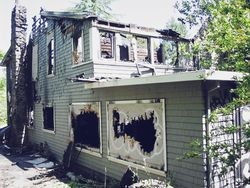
(149, 183)
(129, 178)
(31, 169)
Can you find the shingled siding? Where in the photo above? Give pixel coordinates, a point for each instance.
(109, 68)
(184, 108)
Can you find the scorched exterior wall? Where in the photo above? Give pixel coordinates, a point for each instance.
(184, 109)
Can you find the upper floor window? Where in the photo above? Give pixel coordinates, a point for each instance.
(51, 56)
(142, 49)
(107, 44)
(124, 46)
(77, 48)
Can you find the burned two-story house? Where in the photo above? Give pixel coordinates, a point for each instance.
(125, 95)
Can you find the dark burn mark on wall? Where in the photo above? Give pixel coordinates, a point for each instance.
(86, 129)
(141, 129)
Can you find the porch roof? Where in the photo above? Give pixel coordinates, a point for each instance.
(169, 78)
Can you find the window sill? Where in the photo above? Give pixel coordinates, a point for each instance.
(89, 152)
(50, 75)
(80, 64)
(49, 131)
(137, 166)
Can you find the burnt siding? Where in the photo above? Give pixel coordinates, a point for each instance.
(110, 68)
(57, 89)
(184, 109)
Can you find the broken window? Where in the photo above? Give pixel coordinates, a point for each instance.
(137, 133)
(165, 52)
(77, 46)
(85, 122)
(48, 118)
(169, 50)
(158, 51)
(30, 117)
(51, 56)
(124, 44)
(107, 44)
(185, 55)
(142, 49)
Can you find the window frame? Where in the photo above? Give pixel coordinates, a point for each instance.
(83, 149)
(162, 102)
(51, 54)
(113, 51)
(49, 129)
(75, 47)
(140, 42)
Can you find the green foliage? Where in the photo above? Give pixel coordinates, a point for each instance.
(196, 150)
(99, 7)
(228, 35)
(3, 104)
(194, 11)
(226, 152)
(1, 55)
(177, 26)
(224, 44)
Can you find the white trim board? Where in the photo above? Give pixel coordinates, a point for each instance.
(169, 78)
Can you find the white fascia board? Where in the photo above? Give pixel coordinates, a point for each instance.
(223, 75)
(169, 78)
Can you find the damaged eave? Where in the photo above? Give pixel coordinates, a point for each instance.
(170, 78)
(167, 34)
(67, 15)
(7, 58)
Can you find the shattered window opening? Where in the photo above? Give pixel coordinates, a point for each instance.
(48, 118)
(107, 44)
(31, 118)
(77, 48)
(170, 52)
(141, 129)
(137, 134)
(185, 55)
(124, 43)
(51, 53)
(85, 122)
(142, 49)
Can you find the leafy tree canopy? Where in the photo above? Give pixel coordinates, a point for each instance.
(99, 7)
(223, 44)
(177, 26)
(226, 36)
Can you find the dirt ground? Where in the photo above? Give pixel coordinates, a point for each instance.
(31, 170)
(18, 170)
(15, 172)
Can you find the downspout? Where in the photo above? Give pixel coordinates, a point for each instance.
(206, 94)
